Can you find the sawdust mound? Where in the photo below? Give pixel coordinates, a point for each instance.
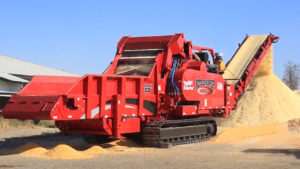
(37, 151)
(95, 150)
(26, 147)
(121, 144)
(235, 135)
(61, 151)
(266, 100)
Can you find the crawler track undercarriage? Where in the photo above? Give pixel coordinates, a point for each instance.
(176, 132)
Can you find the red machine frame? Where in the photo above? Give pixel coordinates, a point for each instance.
(113, 105)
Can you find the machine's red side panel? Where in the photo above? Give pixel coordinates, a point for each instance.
(48, 85)
(39, 98)
(30, 107)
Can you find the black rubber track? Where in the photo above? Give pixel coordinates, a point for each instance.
(176, 132)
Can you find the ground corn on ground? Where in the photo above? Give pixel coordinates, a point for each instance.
(61, 151)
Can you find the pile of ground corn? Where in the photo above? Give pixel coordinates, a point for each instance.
(266, 100)
(263, 110)
(61, 151)
(120, 144)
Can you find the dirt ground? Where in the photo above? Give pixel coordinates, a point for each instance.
(200, 155)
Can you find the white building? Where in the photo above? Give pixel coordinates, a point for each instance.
(15, 74)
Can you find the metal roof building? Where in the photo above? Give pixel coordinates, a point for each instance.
(15, 74)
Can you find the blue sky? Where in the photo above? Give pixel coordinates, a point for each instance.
(81, 36)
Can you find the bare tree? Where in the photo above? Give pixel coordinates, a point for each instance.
(291, 75)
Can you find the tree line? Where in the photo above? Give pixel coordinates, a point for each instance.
(291, 75)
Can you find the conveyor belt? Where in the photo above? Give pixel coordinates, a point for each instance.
(242, 58)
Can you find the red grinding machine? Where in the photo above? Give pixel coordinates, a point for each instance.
(162, 87)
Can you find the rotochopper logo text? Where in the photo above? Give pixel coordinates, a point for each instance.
(188, 85)
(205, 86)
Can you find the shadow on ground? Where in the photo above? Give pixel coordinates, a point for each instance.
(294, 152)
